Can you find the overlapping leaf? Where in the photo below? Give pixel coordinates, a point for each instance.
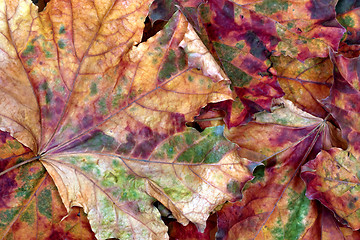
(305, 83)
(30, 205)
(348, 13)
(243, 35)
(274, 204)
(350, 21)
(332, 177)
(102, 110)
(190, 232)
(327, 227)
(298, 29)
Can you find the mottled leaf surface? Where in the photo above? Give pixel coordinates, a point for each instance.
(350, 21)
(305, 83)
(326, 227)
(298, 29)
(97, 104)
(30, 205)
(190, 173)
(332, 177)
(274, 204)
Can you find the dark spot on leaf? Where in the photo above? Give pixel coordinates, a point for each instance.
(321, 9)
(7, 185)
(151, 29)
(146, 132)
(344, 6)
(57, 235)
(144, 149)
(178, 121)
(62, 29)
(87, 121)
(182, 59)
(4, 136)
(258, 49)
(228, 10)
(126, 148)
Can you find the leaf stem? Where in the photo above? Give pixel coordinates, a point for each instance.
(20, 164)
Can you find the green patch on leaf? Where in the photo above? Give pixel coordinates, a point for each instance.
(62, 29)
(117, 97)
(346, 21)
(270, 7)
(226, 52)
(93, 89)
(237, 77)
(29, 62)
(14, 144)
(61, 43)
(182, 60)
(45, 203)
(48, 92)
(233, 187)
(30, 48)
(178, 192)
(240, 45)
(205, 13)
(100, 141)
(168, 67)
(48, 54)
(29, 215)
(205, 151)
(102, 106)
(278, 231)
(258, 174)
(7, 216)
(298, 205)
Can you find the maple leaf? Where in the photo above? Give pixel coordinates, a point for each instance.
(95, 106)
(30, 205)
(337, 184)
(274, 203)
(106, 114)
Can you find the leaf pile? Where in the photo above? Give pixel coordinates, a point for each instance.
(140, 119)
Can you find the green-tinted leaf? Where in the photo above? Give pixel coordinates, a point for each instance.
(350, 21)
(333, 178)
(30, 205)
(190, 173)
(93, 104)
(274, 204)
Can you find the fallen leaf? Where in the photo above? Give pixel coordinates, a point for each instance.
(297, 29)
(190, 232)
(350, 21)
(327, 227)
(30, 205)
(274, 203)
(305, 83)
(332, 177)
(106, 114)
